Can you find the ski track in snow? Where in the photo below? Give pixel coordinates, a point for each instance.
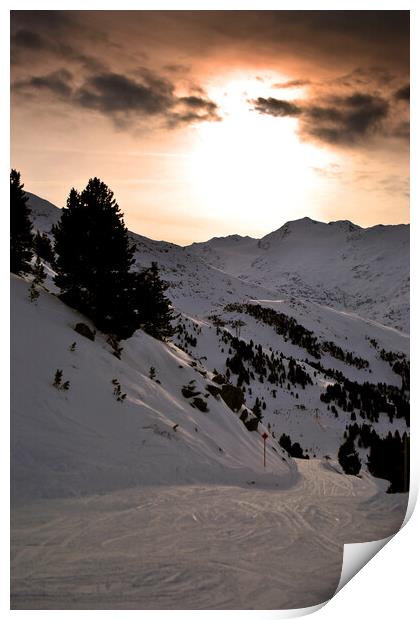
(197, 546)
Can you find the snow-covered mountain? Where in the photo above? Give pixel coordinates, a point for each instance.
(210, 282)
(164, 443)
(43, 213)
(337, 264)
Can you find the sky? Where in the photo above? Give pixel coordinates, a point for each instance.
(209, 123)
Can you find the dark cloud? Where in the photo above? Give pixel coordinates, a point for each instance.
(354, 120)
(337, 119)
(124, 99)
(335, 38)
(276, 107)
(58, 83)
(67, 26)
(198, 103)
(25, 42)
(291, 84)
(28, 45)
(102, 50)
(47, 20)
(350, 119)
(192, 108)
(403, 93)
(27, 39)
(112, 93)
(155, 81)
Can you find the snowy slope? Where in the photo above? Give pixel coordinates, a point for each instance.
(197, 547)
(43, 213)
(194, 284)
(198, 290)
(337, 264)
(80, 441)
(295, 411)
(150, 503)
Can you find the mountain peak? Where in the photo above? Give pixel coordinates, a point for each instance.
(345, 225)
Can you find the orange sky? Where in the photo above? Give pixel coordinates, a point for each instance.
(211, 123)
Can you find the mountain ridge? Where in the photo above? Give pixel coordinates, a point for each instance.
(337, 264)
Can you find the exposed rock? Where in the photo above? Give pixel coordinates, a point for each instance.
(252, 424)
(200, 404)
(214, 391)
(84, 330)
(233, 396)
(219, 379)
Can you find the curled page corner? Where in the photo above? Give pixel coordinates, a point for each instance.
(412, 500)
(356, 556)
(298, 613)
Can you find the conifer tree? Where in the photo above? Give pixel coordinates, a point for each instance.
(43, 247)
(256, 409)
(21, 237)
(94, 256)
(156, 308)
(39, 274)
(349, 458)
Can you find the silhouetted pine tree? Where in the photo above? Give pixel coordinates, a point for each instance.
(94, 256)
(21, 237)
(256, 409)
(156, 309)
(43, 247)
(349, 458)
(295, 449)
(39, 275)
(389, 459)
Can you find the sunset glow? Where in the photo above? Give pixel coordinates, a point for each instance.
(250, 163)
(202, 130)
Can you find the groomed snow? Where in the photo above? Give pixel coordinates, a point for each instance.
(197, 547)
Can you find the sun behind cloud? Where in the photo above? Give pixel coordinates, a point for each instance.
(251, 164)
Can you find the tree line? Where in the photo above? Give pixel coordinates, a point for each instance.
(93, 260)
(370, 399)
(266, 367)
(297, 334)
(388, 456)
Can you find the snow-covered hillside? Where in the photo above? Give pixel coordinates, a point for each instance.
(194, 284)
(83, 440)
(337, 264)
(202, 287)
(292, 408)
(44, 214)
(143, 484)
